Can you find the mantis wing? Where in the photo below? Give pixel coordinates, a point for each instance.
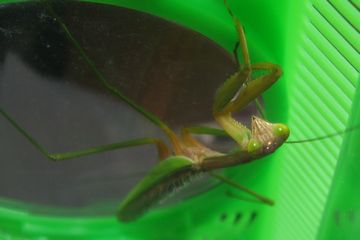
(167, 176)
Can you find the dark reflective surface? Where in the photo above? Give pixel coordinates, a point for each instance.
(48, 88)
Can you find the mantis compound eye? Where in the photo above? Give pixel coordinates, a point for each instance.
(281, 130)
(254, 146)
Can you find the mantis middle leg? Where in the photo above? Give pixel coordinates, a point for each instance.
(162, 149)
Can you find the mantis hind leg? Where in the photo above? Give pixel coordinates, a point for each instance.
(162, 149)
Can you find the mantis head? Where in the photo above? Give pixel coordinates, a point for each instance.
(266, 137)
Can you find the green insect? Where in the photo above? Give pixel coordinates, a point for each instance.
(188, 157)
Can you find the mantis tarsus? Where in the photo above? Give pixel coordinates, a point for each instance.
(187, 156)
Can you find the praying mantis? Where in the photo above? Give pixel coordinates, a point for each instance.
(187, 156)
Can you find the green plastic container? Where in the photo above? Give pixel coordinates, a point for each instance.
(314, 184)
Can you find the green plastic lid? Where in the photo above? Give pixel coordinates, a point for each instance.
(314, 184)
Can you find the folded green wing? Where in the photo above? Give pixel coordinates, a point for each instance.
(162, 180)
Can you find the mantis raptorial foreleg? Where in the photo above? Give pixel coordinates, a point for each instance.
(245, 52)
(162, 149)
(259, 106)
(254, 87)
(240, 89)
(242, 39)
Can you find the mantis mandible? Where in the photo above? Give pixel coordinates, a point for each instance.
(188, 157)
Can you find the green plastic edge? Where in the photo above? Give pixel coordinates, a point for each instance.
(341, 218)
(324, 73)
(22, 223)
(295, 224)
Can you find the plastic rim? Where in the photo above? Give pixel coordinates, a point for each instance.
(300, 177)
